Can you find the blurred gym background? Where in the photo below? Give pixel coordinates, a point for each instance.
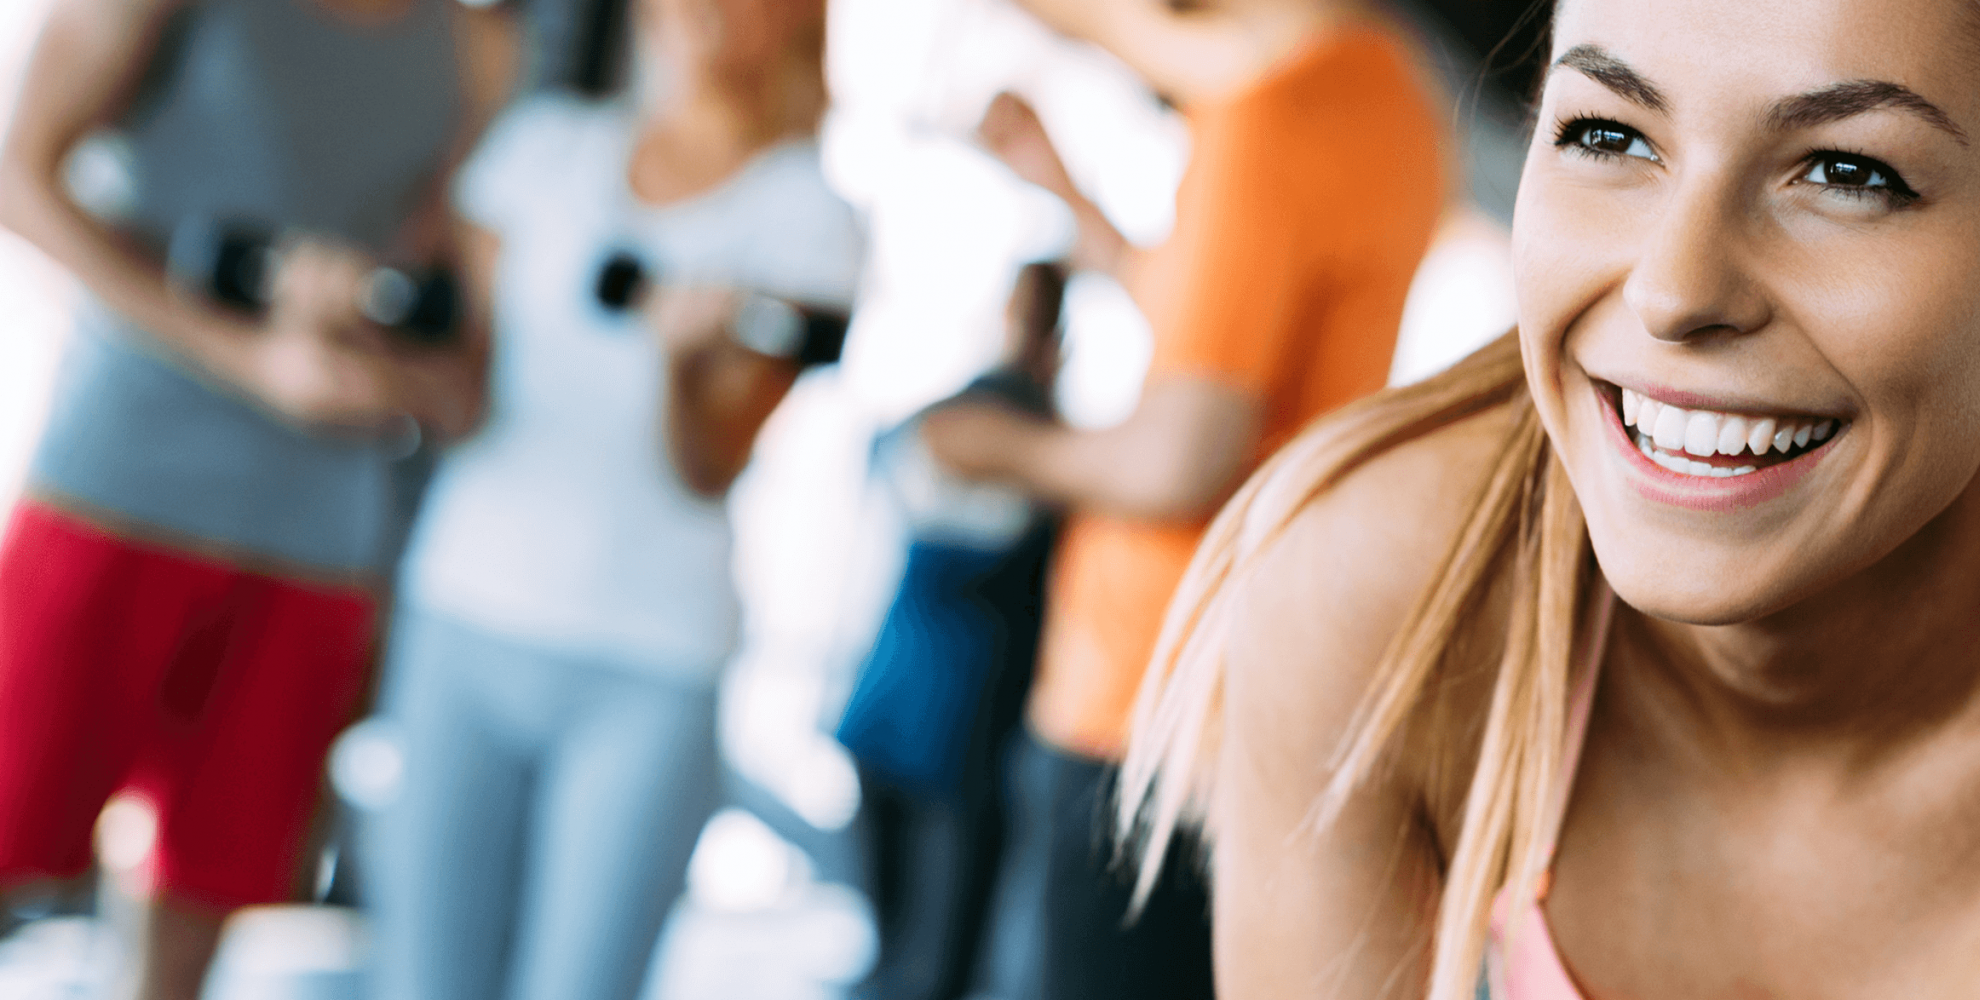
(771, 913)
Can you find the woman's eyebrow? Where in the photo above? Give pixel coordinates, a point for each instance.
(1597, 64)
(1854, 97)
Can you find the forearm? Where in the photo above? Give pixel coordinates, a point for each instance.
(718, 397)
(1098, 245)
(485, 47)
(1116, 472)
(452, 388)
(1181, 454)
(79, 75)
(120, 274)
(488, 46)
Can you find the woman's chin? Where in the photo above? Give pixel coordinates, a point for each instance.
(1697, 592)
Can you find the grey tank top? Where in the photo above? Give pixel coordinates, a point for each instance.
(275, 113)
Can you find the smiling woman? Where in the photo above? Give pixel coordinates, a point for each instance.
(1634, 656)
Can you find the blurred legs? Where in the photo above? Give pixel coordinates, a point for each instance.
(1058, 932)
(621, 801)
(175, 943)
(445, 857)
(543, 830)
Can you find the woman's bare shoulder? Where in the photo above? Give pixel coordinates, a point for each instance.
(1321, 602)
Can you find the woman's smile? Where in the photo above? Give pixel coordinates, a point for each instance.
(1712, 459)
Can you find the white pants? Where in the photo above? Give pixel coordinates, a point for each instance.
(545, 821)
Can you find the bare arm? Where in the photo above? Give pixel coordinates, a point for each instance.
(80, 74)
(1186, 52)
(1011, 131)
(1180, 455)
(486, 56)
(488, 45)
(445, 387)
(719, 393)
(312, 359)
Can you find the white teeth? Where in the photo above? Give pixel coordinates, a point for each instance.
(1760, 436)
(1680, 464)
(1701, 434)
(1732, 435)
(1704, 433)
(1670, 427)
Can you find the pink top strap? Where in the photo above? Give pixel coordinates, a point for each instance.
(1527, 966)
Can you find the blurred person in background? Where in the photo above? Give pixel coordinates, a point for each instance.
(580, 45)
(187, 592)
(1316, 179)
(943, 689)
(659, 269)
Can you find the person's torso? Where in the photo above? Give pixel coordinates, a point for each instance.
(1348, 112)
(264, 113)
(1344, 138)
(1793, 883)
(562, 520)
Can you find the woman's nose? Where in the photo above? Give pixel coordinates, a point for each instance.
(1690, 280)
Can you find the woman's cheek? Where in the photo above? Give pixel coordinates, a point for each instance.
(1550, 291)
(1567, 250)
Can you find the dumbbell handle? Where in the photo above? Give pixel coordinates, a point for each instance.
(765, 324)
(236, 266)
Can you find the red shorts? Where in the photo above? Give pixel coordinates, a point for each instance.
(208, 691)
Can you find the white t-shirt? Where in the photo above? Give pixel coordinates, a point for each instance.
(562, 521)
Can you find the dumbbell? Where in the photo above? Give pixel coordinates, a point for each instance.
(235, 264)
(764, 324)
(621, 281)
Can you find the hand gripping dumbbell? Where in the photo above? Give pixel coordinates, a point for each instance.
(764, 324)
(235, 264)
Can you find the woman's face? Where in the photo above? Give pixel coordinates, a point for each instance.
(1747, 227)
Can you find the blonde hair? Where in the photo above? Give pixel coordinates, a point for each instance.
(1522, 534)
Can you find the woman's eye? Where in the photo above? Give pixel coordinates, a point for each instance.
(1857, 177)
(1603, 139)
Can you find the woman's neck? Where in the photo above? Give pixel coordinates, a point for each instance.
(1888, 654)
(701, 129)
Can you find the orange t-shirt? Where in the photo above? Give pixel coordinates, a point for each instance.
(1309, 200)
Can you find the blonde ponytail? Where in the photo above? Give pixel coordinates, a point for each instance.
(1523, 532)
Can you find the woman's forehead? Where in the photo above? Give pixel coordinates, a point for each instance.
(1716, 48)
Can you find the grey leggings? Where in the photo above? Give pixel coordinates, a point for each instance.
(545, 820)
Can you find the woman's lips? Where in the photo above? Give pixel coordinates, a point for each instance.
(1705, 493)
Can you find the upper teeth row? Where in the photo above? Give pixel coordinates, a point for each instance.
(1705, 433)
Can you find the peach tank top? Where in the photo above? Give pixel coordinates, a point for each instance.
(1521, 962)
